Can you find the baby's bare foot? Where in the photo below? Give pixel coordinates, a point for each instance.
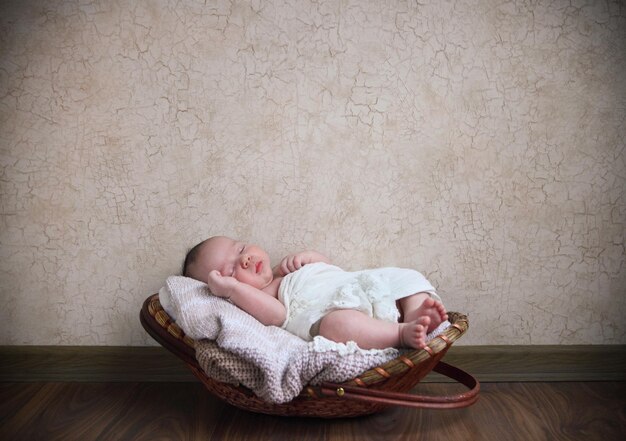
(434, 310)
(413, 334)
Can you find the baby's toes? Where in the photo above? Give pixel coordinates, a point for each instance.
(424, 321)
(420, 336)
(441, 310)
(420, 343)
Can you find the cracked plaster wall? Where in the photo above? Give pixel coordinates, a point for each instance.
(481, 143)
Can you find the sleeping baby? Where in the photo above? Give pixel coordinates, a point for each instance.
(307, 296)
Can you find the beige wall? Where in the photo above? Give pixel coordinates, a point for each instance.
(482, 144)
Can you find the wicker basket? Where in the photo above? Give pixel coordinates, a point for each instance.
(371, 392)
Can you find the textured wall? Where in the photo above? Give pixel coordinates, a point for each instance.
(482, 144)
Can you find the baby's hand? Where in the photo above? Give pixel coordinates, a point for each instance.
(294, 262)
(219, 285)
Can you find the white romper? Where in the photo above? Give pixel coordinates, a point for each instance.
(319, 288)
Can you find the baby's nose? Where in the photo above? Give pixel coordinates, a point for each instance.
(245, 261)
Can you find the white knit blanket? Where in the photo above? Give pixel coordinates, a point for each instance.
(232, 346)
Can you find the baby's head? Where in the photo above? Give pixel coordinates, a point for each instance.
(193, 261)
(232, 258)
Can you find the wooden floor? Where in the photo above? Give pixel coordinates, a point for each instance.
(185, 411)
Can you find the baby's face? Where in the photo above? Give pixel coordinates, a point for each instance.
(245, 262)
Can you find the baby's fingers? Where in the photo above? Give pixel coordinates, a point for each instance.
(291, 265)
(284, 269)
(297, 262)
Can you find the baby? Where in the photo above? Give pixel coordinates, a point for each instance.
(242, 273)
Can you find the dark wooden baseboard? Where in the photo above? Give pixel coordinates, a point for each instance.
(487, 363)
(541, 363)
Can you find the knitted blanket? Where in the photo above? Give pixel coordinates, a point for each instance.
(232, 346)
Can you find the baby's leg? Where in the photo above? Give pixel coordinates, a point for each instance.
(421, 305)
(369, 333)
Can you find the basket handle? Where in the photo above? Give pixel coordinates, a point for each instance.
(409, 400)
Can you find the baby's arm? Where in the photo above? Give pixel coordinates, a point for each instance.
(262, 306)
(294, 262)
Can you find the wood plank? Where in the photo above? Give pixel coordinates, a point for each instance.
(148, 411)
(487, 363)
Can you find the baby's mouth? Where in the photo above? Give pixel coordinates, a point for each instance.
(258, 267)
